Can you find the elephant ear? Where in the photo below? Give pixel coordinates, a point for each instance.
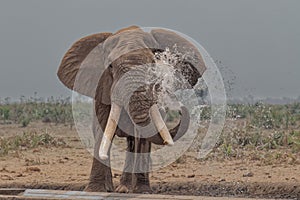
(82, 66)
(193, 65)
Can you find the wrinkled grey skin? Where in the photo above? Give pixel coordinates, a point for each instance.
(121, 52)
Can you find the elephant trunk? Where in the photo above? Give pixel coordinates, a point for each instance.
(132, 91)
(139, 99)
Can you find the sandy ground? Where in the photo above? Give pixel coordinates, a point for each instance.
(68, 167)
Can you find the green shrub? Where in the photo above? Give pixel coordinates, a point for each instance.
(25, 121)
(4, 112)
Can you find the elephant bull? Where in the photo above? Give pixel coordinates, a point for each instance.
(115, 57)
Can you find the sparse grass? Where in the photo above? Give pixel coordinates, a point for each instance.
(32, 109)
(227, 150)
(269, 133)
(267, 146)
(294, 141)
(28, 140)
(253, 127)
(266, 116)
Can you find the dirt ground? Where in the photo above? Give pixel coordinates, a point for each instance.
(68, 167)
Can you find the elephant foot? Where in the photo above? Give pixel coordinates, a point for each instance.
(122, 189)
(143, 189)
(100, 178)
(96, 187)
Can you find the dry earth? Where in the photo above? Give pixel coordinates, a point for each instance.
(68, 167)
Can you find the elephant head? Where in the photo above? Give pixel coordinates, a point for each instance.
(95, 65)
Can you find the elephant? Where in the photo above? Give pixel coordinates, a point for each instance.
(119, 53)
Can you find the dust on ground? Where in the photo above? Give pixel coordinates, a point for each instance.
(68, 167)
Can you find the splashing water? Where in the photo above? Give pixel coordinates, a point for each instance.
(166, 78)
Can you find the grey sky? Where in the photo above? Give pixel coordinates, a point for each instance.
(257, 41)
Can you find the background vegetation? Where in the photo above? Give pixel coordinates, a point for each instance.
(249, 127)
(26, 110)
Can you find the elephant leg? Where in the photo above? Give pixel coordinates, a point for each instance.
(101, 177)
(141, 182)
(126, 178)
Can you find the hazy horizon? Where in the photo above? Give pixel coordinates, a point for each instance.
(256, 42)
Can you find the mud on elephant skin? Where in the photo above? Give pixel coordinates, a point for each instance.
(94, 65)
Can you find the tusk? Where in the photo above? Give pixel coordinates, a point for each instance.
(160, 125)
(110, 129)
